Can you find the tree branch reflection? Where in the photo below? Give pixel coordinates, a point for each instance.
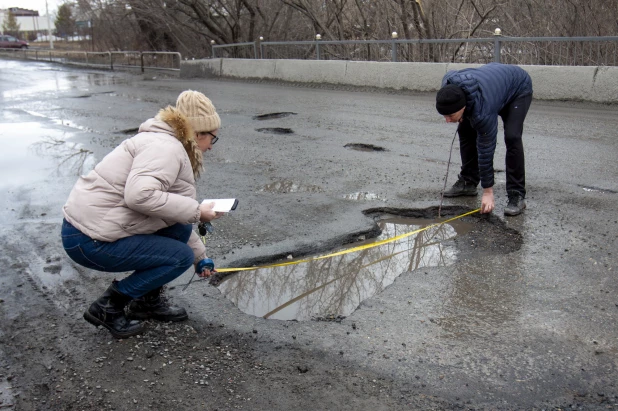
(70, 156)
(336, 286)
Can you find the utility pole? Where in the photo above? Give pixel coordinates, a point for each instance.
(49, 32)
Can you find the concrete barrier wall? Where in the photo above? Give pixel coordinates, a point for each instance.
(562, 82)
(241, 68)
(599, 84)
(312, 71)
(200, 68)
(605, 85)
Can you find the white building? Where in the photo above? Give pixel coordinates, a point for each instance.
(29, 24)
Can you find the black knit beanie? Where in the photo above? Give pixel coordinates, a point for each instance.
(450, 99)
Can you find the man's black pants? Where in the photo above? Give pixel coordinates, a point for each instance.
(513, 116)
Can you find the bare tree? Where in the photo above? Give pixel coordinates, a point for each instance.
(189, 26)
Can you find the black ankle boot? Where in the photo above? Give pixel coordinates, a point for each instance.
(108, 311)
(461, 188)
(154, 305)
(516, 204)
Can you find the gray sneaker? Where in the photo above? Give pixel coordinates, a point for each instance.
(516, 205)
(461, 188)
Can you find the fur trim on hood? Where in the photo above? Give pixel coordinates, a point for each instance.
(185, 134)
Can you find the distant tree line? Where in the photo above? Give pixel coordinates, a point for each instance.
(188, 26)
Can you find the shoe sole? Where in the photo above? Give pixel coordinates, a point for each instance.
(96, 322)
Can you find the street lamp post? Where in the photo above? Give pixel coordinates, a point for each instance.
(49, 33)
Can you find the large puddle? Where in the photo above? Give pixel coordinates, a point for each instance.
(61, 81)
(334, 287)
(32, 152)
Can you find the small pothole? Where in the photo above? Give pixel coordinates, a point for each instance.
(364, 147)
(364, 195)
(598, 189)
(133, 130)
(287, 186)
(271, 116)
(275, 130)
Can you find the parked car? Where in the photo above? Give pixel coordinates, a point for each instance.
(11, 42)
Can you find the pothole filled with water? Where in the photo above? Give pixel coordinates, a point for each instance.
(271, 116)
(364, 147)
(363, 195)
(333, 287)
(129, 131)
(287, 186)
(598, 189)
(275, 130)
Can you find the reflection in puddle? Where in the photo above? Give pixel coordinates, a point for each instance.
(287, 186)
(364, 196)
(69, 157)
(335, 286)
(30, 151)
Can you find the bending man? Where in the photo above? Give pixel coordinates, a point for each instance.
(474, 98)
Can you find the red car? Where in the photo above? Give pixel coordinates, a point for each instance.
(10, 42)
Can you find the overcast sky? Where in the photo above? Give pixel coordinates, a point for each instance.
(32, 5)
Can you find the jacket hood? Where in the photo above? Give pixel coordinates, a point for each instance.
(171, 121)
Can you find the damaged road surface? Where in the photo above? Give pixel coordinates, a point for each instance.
(503, 314)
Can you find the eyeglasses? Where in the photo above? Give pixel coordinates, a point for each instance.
(214, 138)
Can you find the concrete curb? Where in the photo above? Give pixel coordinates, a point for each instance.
(578, 83)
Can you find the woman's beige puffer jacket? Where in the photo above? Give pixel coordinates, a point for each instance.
(145, 184)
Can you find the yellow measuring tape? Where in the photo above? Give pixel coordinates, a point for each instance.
(348, 250)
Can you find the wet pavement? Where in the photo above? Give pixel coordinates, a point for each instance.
(516, 313)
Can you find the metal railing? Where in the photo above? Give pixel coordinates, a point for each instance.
(563, 51)
(143, 60)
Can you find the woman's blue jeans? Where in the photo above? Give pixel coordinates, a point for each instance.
(155, 259)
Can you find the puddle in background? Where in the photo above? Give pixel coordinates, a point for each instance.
(287, 186)
(363, 196)
(364, 147)
(62, 82)
(97, 79)
(32, 153)
(598, 190)
(130, 131)
(275, 130)
(271, 116)
(335, 286)
(59, 121)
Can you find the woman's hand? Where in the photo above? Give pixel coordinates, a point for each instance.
(207, 214)
(205, 268)
(487, 202)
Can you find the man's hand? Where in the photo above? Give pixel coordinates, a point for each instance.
(487, 202)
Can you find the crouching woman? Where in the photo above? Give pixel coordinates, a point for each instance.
(135, 212)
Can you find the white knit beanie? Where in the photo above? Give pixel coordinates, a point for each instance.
(199, 110)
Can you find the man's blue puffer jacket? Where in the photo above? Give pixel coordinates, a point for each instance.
(488, 89)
